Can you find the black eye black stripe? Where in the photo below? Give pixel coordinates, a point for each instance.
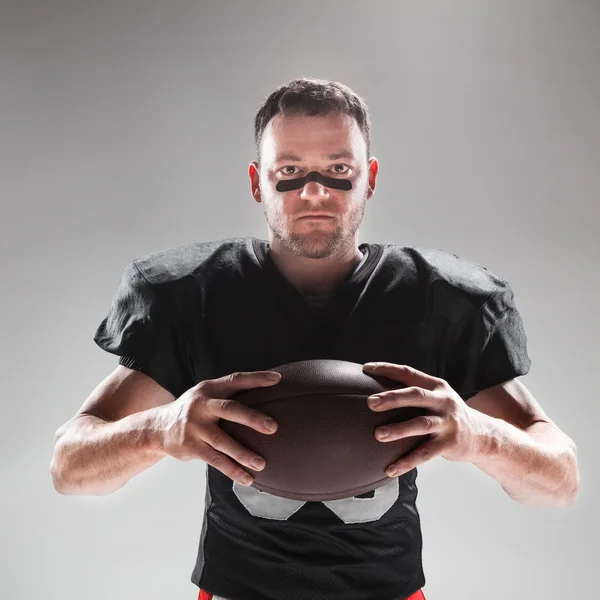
(294, 184)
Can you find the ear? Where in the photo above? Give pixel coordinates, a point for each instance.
(254, 180)
(373, 171)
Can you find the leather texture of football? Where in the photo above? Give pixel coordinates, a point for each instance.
(324, 447)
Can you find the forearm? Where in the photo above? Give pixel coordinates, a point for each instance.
(536, 466)
(95, 457)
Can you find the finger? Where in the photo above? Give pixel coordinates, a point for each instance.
(223, 463)
(405, 374)
(422, 425)
(410, 396)
(241, 380)
(418, 456)
(232, 410)
(218, 439)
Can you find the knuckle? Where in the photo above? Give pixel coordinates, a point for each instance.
(207, 384)
(201, 384)
(217, 439)
(420, 392)
(426, 453)
(224, 404)
(441, 384)
(453, 411)
(427, 422)
(217, 460)
(201, 389)
(199, 399)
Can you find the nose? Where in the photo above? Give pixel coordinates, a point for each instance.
(314, 189)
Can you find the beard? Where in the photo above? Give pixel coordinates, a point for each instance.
(316, 241)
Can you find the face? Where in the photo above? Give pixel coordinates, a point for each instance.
(291, 148)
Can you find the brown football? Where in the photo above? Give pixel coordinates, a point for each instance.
(324, 447)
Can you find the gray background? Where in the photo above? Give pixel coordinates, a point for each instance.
(126, 128)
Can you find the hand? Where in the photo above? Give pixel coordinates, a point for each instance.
(453, 427)
(188, 426)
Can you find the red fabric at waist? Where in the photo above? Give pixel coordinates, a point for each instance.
(418, 595)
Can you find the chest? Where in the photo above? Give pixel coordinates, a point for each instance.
(263, 333)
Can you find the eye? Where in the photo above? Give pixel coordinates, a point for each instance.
(283, 169)
(340, 165)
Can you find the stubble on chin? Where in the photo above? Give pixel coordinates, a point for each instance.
(314, 243)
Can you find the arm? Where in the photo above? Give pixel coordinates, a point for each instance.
(95, 457)
(519, 446)
(515, 443)
(112, 438)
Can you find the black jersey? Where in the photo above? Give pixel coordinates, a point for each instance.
(207, 309)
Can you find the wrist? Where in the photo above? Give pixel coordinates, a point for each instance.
(153, 438)
(487, 439)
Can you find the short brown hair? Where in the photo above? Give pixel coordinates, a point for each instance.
(312, 97)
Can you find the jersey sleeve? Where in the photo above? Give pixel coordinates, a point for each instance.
(490, 347)
(139, 328)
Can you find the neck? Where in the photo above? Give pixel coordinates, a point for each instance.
(316, 275)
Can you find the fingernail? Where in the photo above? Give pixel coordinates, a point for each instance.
(382, 433)
(270, 424)
(258, 463)
(274, 376)
(374, 401)
(246, 479)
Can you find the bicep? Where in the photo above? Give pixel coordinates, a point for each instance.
(124, 392)
(510, 401)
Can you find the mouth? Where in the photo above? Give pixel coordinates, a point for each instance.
(316, 217)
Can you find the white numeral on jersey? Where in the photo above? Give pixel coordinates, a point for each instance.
(349, 510)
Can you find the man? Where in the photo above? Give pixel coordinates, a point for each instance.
(195, 323)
